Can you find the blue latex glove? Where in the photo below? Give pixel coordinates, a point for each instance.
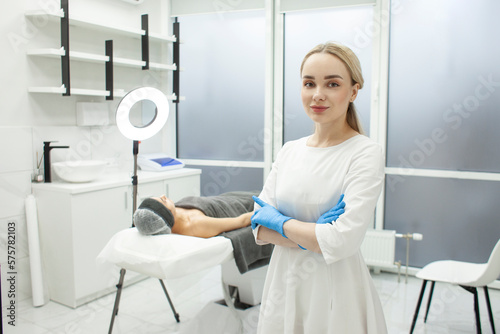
(334, 213)
(268, 216)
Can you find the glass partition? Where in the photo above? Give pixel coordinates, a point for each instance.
(223, 56)
(444, 85)
(304, 30)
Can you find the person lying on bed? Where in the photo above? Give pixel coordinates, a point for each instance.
(196, 216)
(204, 217)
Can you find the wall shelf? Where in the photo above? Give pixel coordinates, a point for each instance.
(90, 57)
(75, 91)
(89, 24)
(66, 55)
(87, 92)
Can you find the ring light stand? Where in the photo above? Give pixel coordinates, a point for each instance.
(137, 134)
(141, 133)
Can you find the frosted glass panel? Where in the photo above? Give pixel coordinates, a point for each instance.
(444, 88)
(292, 5)
(223, 82)
(189, 7)
(218, 180)
(303, 31)
(459, 219)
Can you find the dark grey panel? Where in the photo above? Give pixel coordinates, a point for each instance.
(218, 180)
(460, 219)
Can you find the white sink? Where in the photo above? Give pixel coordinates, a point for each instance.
(79, 171)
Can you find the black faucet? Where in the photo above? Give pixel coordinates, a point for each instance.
(46, 159)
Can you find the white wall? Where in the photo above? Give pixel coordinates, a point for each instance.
(28, 119)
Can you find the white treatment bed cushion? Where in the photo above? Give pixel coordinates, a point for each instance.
(165, 256)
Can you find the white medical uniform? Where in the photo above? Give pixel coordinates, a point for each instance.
(332, 292)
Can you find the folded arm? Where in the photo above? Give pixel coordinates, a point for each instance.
(297, 232)
(288, 232)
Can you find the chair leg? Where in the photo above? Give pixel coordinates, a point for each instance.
(487, 296)
(429, 300)
(476, 310)
(473, 290)
(176, 315)
(119, 287)
(415, 316)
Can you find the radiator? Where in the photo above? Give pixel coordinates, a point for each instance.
(378, 248)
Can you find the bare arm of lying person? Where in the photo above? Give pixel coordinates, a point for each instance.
(159, 215)
(195, 223)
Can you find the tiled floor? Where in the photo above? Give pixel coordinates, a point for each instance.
(144, 309)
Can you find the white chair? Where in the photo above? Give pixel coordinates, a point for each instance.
(469, 276)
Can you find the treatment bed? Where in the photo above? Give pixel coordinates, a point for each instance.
(171, 256)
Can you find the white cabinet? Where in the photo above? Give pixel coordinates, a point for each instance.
(77, 220)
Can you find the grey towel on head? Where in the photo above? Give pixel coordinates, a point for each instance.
(153, 217)
(247, 254)
(149, 223)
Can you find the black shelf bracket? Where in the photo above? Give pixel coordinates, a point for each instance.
(176, 60)
(145, 41)
(176, 78)
(109, 69)
(65, 44)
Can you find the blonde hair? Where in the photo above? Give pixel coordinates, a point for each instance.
(351, 61)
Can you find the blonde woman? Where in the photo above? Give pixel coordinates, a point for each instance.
(317, 281)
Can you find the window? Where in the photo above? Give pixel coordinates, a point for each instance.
(444, 86)
(444, 93)
(306, 29)
(222, 117)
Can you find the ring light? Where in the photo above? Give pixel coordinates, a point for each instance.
(125, 106)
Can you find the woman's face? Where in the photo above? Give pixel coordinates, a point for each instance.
(167, 202)
(326, 88)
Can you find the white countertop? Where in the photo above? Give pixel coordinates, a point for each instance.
(113, 180)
